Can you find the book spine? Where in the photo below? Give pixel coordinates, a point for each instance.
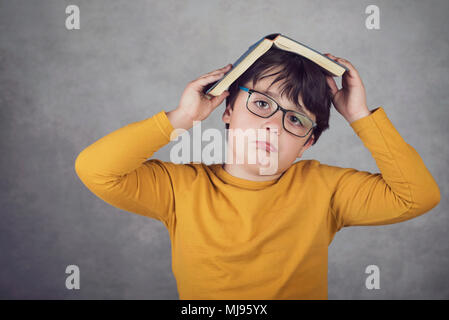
(237, 62)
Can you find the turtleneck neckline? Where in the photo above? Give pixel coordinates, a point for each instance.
(240, 182)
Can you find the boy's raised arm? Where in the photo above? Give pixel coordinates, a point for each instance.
(115, 168)
(402, 190)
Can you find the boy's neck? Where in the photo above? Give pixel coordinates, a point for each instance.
(239, 171)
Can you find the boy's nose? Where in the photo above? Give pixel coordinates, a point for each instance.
(273, 124)
(272, 129)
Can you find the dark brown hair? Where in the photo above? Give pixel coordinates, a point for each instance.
(302, 77)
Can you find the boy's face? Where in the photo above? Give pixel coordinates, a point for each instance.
(289, 147)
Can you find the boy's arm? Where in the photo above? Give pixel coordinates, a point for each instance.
(116, 169)
(402, 190)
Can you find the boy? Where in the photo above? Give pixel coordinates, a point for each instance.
(237, 234)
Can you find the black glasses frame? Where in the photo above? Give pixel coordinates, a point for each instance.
(284, 111)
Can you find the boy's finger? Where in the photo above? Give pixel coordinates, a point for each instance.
(330, 56)
(200, 83)
(352, 70)
(216, 101)
(332, 84)
(224, 69)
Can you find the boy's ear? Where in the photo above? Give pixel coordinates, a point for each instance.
(227, 114)
(306, 145)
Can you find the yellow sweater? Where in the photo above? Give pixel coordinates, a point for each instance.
(238, 239)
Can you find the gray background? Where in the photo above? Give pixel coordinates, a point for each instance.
(61, 90)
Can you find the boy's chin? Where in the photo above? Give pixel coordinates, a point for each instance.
(267, 168)
(259, 164)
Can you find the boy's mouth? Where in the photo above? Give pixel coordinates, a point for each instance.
(266, 145)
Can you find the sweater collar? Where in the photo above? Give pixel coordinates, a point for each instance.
(227, 178)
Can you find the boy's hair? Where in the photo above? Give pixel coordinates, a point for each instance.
(302, 77)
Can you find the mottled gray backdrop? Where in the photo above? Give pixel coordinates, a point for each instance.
(62, 90)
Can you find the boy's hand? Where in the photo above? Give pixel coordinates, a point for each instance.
(196, 105)
(350, 100)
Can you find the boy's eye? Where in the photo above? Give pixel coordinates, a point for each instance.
(295, 120)
(264, 104)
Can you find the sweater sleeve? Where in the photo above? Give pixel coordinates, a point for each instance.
(403, 189)
(115, 168)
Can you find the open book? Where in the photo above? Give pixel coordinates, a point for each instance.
(259, 48)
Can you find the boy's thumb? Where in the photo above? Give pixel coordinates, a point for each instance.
(216, 101)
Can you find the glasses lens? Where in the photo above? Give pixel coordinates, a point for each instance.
(294, 122)
(297, 123)
(261, 105)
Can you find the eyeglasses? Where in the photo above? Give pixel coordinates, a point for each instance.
(264, 106)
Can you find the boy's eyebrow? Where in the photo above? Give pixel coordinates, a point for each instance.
(298, 107)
